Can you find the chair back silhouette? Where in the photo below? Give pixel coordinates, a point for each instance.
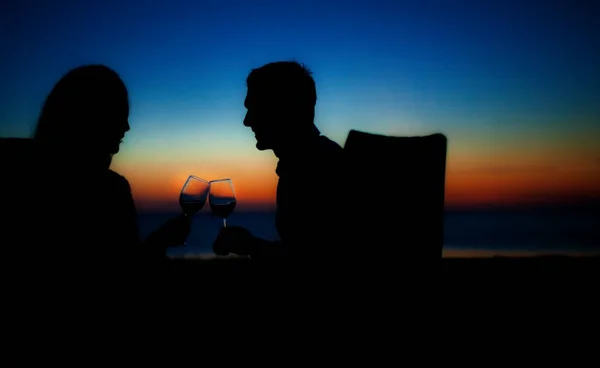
(16, 156)
(398, 196)
(14, 150)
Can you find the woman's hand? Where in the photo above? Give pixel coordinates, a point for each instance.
(172, 233)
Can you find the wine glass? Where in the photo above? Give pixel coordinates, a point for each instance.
(193, 195)
(222, 198)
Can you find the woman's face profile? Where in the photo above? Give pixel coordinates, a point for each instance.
(87, 111)
(104, 118)
(111, 122)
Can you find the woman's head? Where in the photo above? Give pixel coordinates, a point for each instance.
(87, 111)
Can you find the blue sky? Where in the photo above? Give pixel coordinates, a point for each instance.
(184, 60)
(474, 70)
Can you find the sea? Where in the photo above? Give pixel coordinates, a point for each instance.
(473, 233)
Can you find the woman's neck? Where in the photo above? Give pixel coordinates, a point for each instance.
(83, 161)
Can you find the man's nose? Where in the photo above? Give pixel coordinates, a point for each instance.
(247, 120)
(127, 127)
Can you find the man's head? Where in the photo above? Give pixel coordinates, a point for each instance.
(281, 103)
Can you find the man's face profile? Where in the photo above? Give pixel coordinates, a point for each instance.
(263, 117)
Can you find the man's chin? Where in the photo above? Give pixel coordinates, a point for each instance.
(261, 146)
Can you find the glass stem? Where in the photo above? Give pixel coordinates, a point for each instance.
(224, 222)
(185, 215)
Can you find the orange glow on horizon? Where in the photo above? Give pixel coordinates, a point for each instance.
(520, 187)
(158, 186)
(474, 177)
(461, 189)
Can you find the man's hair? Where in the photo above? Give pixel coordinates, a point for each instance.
(285, 78)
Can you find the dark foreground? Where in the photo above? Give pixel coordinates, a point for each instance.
(460, 283)
(552, 281)
(471, 270)
(227, 289)
(487, 266)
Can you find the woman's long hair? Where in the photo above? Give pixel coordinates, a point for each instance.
(79, 97)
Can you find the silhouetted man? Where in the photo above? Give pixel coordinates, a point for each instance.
(280, 105)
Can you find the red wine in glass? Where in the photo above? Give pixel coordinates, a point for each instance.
(193, 195)
(190, 205)
(222, 198)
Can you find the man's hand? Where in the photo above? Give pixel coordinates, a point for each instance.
(234, 239)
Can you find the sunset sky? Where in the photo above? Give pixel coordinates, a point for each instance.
(515, 86)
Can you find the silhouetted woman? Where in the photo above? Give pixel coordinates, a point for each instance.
(86, 218)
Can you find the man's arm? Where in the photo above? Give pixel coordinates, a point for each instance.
(262, 248)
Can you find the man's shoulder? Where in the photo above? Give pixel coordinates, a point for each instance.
(116, 176)
(327, 144)
(329, 149)
(329, 158)
(318, 158)
(117, 179)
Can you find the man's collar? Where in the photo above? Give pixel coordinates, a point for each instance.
(301, 157)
